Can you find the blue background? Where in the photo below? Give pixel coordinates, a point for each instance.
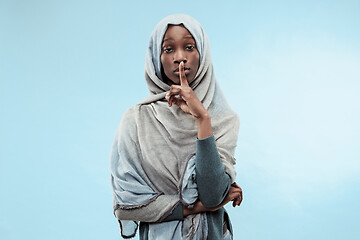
(290, 69)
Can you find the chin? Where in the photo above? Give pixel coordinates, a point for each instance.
(171, 82)
(174, 80)
(177, 81)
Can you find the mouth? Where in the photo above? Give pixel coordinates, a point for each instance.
(186, 69)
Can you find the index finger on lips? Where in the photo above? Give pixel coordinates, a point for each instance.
(183, 80)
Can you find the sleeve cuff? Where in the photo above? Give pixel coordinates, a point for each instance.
(177, 214)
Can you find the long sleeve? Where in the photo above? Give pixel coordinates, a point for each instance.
(210, 166)
(177, 214)
(141, 214)
(212, 180)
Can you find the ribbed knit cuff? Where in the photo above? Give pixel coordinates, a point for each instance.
(177, 214)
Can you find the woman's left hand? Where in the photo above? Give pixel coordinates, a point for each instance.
(235, 195)
(188, 101)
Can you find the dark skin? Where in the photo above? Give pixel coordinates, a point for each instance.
(180, 61)
(179, 45)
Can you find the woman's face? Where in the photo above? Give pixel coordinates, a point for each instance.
(179, 45)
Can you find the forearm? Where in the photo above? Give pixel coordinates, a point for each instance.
(152, 212)
(197, 208)
(176, 214)
(204, 126)
(212, 180)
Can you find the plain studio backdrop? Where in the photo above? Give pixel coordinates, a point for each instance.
(290, 69)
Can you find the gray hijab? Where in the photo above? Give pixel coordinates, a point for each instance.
(154, 142)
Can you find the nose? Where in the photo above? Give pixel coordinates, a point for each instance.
(180, 56)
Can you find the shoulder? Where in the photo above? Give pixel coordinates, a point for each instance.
(219, 108)
(223, 113)
(224, 121)
(129, 114)
(128, 123)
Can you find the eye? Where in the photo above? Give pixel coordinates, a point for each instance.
(168, 50)
(190, 47)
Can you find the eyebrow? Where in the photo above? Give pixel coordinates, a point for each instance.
(188, 37)
(168, 39)
(171, 39)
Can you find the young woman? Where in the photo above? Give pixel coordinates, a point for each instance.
(172, 160)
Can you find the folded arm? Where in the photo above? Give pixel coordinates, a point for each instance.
(212, 180)
(153, 212)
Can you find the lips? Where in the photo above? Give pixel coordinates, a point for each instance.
(185, 68)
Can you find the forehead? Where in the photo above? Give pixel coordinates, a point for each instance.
(176, 32)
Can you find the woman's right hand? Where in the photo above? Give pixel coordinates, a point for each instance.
(184, 97)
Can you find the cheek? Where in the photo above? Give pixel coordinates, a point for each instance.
(164, 62)
(197, 60)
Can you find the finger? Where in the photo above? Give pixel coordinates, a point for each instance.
(171, 94)
(234, 184)
(168, 98)
(173, 91)
(233, 190)
(234, 196)
(170, 101)
(177, 101)
(183, 80)
(238, 200)
(241, 198)
(235, 199)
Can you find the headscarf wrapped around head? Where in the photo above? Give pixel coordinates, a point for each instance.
(155, 43)
(154, 142)
(153, 76)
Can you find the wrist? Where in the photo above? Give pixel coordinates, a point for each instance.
(188, 211)
(205, 116)
(204, 126)
(197, 208)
